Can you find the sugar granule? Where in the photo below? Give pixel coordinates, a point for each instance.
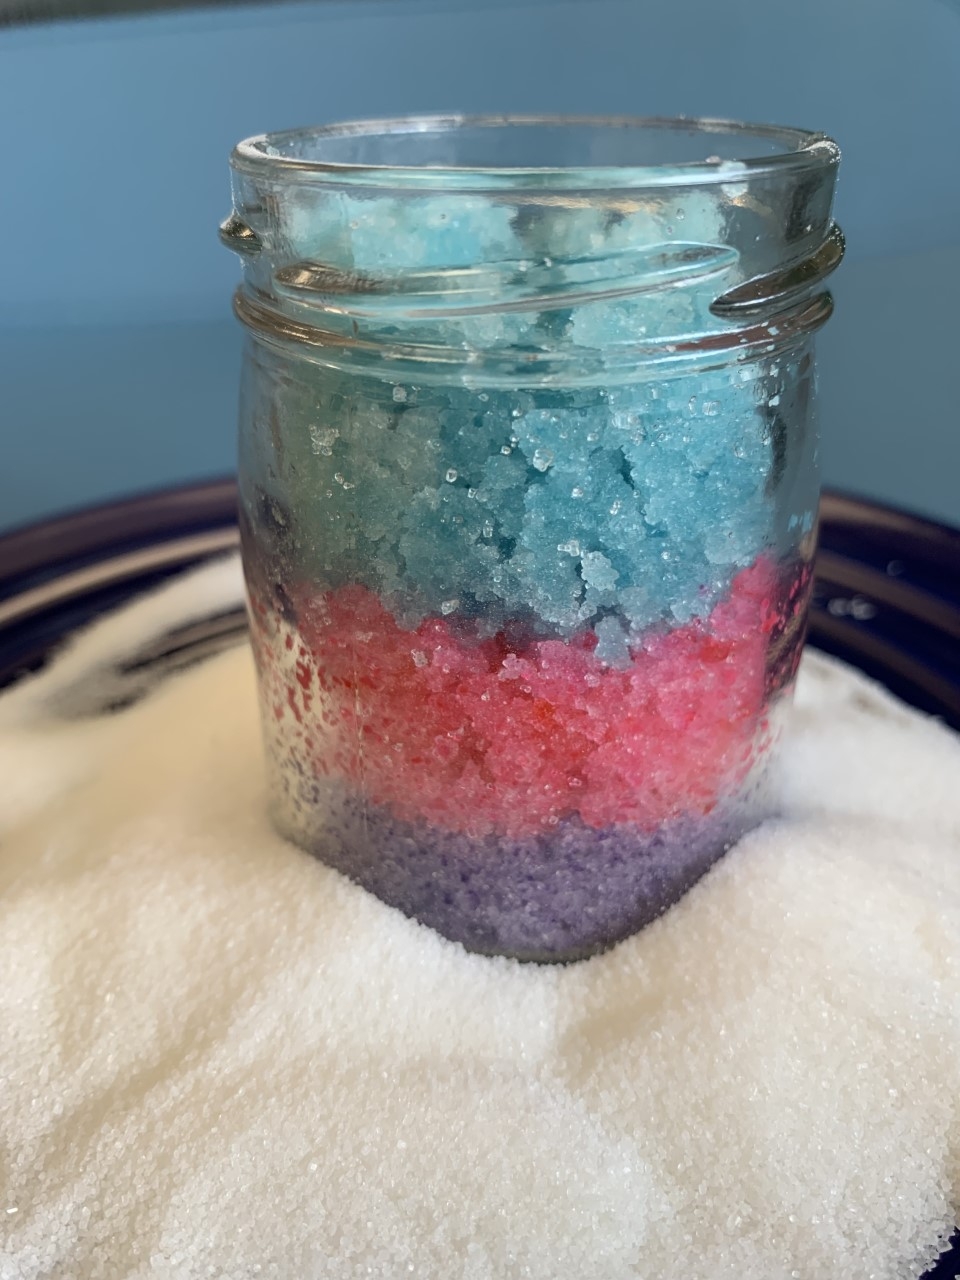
(219, 1058)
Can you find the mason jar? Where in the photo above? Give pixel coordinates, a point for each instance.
(528, 478)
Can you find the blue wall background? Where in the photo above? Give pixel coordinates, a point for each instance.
(119, 358)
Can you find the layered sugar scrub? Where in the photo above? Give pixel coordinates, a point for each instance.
(528, 498)
(546, 768)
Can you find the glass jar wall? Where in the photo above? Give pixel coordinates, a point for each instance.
(528, 484)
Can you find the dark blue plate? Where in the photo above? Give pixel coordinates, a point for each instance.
(886, 598)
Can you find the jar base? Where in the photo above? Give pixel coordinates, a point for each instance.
(556, 897)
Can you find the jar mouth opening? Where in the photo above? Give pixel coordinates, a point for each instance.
(483, 153)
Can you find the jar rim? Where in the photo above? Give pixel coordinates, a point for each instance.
(281, 153)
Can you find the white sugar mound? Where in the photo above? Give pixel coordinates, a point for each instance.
(220, 1059)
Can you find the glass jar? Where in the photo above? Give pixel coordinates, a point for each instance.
(528, 498)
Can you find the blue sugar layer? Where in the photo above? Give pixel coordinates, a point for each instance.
(654, 266)
(640, 503)
(637, 503)
(557, 897)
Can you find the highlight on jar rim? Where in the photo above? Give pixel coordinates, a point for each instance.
(635, 151)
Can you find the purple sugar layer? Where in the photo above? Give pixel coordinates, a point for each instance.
(560, 896)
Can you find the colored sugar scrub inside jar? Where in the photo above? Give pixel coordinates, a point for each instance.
(528, 498)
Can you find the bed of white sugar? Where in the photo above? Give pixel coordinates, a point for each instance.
(220, 1059)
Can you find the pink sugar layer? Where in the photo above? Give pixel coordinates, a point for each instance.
(553, 897)
(485, 737)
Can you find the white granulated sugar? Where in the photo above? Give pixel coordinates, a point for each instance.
(220, 1059)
